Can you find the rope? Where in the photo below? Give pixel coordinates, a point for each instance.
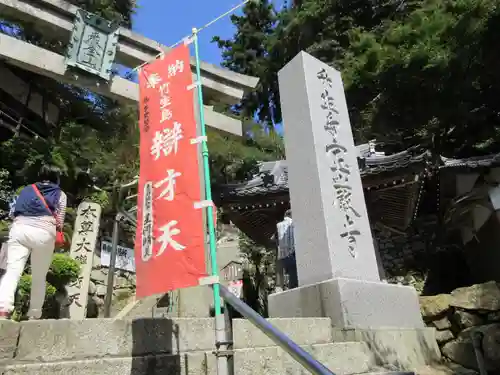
(236, 7)
(224, 15)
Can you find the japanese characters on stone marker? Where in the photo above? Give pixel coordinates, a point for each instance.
(341, 170)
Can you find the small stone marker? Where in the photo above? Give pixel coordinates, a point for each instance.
(332, 229)
(83, 246)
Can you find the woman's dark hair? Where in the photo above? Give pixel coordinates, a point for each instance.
(50, 173)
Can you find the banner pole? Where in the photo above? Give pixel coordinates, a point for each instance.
(220, 324)
(206, 170)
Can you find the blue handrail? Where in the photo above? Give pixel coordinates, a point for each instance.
(279, 338)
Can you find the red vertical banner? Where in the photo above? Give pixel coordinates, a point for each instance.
(169, 245)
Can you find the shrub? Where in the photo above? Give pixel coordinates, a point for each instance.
(23, 297)
(259, 275)
(63, 270)
(4, 229)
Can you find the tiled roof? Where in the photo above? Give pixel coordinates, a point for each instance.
(387, 163)
(394, 207)
(473, 162)
(273, 176)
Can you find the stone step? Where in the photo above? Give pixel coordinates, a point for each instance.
(163, 313)
(302, 331)
(60, 340)
(341, 358)
(62, 343)
(143, 308)
(195, 363)
(396, 349)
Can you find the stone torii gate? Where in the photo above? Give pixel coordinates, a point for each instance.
(61, 21)
(56, 18)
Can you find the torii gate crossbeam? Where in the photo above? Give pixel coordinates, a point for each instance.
(55, 18)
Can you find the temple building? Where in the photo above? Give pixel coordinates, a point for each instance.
(427, 214)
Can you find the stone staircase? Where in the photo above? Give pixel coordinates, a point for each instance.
(173, 347)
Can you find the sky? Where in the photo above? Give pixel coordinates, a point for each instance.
(168, 21)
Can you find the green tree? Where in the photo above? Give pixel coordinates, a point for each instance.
(120, 11)
(266, 39)
(248, 53)
(429, 78)
(419, 72)
(259, 278)
(236, 158)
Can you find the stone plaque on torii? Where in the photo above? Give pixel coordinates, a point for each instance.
(336, 260)
(92, 46)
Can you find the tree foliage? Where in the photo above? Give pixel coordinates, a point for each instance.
(235, 158)
(415, 72)
(120, 11)
(430, 78)
(248, 53)
(259, 274)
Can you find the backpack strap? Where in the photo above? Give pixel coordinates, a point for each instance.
(40, 196)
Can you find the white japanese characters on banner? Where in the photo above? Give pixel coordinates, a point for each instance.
(147, 222)
(170, 237)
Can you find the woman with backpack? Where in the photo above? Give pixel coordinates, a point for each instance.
(38, 215)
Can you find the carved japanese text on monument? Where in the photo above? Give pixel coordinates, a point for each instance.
(82, 249)
(86, 230)
(337, 158)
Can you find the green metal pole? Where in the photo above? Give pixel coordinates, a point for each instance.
(208, 190)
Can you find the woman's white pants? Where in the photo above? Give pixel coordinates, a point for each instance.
(23, 241)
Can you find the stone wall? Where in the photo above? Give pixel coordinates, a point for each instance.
(414, 259)
(461, 315)
(404, 256)
(123, 288)
(400, 253)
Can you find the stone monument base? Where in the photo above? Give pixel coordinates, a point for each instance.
(351, 304)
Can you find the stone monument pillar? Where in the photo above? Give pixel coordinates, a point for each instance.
(82, 249)
(336, 260)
